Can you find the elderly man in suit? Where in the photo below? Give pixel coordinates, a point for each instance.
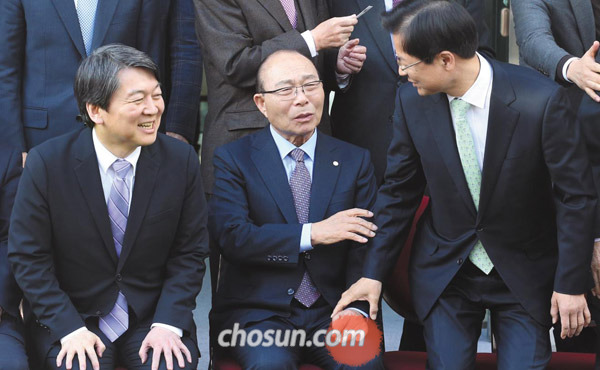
(12, 336)
(556, 37)
(238, 35)
(43, 42)
(510, 222)
(108, 234)
(288, 215)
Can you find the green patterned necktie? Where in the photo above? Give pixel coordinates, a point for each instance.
(468, 159)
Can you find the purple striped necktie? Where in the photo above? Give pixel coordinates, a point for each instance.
(395, 3)
(300, 183)
(290, 10)
(116, 322)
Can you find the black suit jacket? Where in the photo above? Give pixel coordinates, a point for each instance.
(537, 202)
(42, 47)
(236, 36)
(253, 219)
(10, 171)
(362, 113)
(61, 245)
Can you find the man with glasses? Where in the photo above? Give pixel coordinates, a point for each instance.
(290, 214)
(512, 199)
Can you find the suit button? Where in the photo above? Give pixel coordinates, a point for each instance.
(285, 258)
(279, 259)
(118, 277)
(269, 258)
(307, 255)
(290, 291)
(480, 228)
(98, 313)
(459, 261)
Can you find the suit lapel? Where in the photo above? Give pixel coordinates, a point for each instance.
(382, 39)
(324, 179)
(104, 14)
(146, 174)
(276, 10)
(268, 163)
(501, 126)
(584, 17)
(437, 111)
(68, 14)
(88, 176)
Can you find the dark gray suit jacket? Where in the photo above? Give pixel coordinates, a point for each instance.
(236, 36)
(548, 30)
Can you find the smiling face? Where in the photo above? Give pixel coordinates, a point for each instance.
(133, 114)
(426, 78)
(297, 118)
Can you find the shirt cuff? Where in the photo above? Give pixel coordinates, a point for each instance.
(565, 67)
(305, 244)
(596, 240)
(63, 339)
(357, 310)
(310, 42)
(175, 330)
(342, 80)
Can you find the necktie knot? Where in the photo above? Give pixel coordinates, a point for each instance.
(121, 168)
(459, 108)
(298, 155)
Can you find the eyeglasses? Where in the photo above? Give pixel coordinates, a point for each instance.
(290, 92)
(404, 68)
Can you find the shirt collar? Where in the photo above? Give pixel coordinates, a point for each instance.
(477, 94)
(106, 158)
(285, 147)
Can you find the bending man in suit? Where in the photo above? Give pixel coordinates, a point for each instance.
(12, 334)
(510, 222)
(44, 41)
(108, 234)
(288, 215)
(556, 37)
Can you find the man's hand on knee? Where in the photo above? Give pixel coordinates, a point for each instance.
(168, 343)
(573, 311)
(82, 343)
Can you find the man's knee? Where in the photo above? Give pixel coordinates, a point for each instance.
(10, 361)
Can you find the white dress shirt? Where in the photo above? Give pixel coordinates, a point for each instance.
(478, 96)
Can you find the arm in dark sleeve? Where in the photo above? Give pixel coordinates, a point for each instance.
(574, 194)
(185, 266)
(589, 111)
(228, 43)
(30, 252)
(398, 199)
(185, 66)
(12, 44)
(240, 240)
(10, 171)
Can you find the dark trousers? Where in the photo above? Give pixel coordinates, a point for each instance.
(281, 358)
(454, 325)
(12, 344)
(124, 351)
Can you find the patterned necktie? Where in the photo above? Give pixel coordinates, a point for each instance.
(300, 183)
(116, 322)
(290, 10)
(468, 159)
(86, 11)
(395, 3)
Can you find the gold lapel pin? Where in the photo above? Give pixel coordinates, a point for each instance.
(336, 163)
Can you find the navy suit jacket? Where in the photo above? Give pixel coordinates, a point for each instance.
(537, 204)
(253, 219)
(10, 171)
(42, 47)
(61, 246)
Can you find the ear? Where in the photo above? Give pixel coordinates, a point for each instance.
(259, 100)
(447, 59)
(94, 113)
